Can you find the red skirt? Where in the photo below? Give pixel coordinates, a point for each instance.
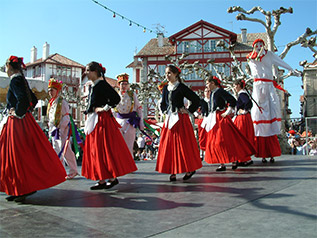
(225, 143)
(27, 159)
(202, 136)
(244, 124)
(267, 146)
(178, 151)
(106, 154)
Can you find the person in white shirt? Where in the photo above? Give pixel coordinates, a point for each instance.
(59, 124)
(267, 116)
(128, 112)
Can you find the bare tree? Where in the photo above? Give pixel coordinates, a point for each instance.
(304, 41)
(270, 30)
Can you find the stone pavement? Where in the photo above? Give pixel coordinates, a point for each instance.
(263, 200)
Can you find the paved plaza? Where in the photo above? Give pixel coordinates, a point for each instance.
(262, 200)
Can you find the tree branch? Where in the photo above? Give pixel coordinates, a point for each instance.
(300, 40)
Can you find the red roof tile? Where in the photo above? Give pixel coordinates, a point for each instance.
(152, 48)
(56, 59)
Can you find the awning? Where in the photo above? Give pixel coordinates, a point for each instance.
(38, 87)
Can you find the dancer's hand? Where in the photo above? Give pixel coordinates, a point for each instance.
(183, 110)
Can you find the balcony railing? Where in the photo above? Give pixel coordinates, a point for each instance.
(67, 79)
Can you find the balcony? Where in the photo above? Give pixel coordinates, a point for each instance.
(67, 79)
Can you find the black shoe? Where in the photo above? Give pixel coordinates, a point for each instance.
(248, 163)
(245, 164)
(189, 175)
(272, 160)
(111, 184)
(264, 161)
(235, 165)
(11, 198)
(21, 198)
(173, 178)
(221, 168)
(98, 186)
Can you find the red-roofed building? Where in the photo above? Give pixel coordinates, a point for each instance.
(70, 73)
(58, 67)
(199, 40)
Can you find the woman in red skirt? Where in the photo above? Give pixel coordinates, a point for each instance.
(28, 162)
(178, 151)
(106, 155)
(243, 120)
(225, 143)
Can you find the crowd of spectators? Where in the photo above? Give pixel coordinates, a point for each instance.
(302, 144)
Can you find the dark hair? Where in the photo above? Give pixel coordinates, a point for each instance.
(97, 67)
(215, 80)
(175, 70)
(240, 82)
(16, 63)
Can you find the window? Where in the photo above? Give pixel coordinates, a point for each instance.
(161, 69)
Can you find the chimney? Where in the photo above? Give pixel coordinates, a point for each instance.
(160, 38)
(33, 54)
(244, 35)
(46, 51)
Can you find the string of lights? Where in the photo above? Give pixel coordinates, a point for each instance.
(131, 22)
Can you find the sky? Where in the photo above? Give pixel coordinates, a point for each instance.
(84, 31)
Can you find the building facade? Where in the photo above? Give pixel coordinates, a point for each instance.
(309, 99)
(199, 41)
(61, 68)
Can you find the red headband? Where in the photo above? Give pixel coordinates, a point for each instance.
(217, 79)
(179, 70)
(103, 68)
(16, 59)
(243, 83)
(256, 41)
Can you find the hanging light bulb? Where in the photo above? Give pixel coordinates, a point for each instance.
(130, 23)
(114, 14)
(144, 29)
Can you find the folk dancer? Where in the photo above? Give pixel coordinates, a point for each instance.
(106, 155)
(59, 125)
(178, 150)
(27, 160)
(243, 120)
(202, 134)
(267, 117)
(225, 143)
(128, 112)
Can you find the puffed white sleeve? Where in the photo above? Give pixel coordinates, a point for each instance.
(65, 115)
(276, 60)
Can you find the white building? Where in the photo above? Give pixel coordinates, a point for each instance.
(61, 68)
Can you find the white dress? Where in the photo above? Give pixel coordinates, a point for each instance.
(63, 126)
(267, 123)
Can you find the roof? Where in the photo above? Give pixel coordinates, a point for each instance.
(137, 65)
(152, 48)
(112, 82)
(251, 37)
(311, 65)
(56, 59)
(38, 87)
(209, 31)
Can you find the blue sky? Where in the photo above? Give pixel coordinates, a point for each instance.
(83, 31)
